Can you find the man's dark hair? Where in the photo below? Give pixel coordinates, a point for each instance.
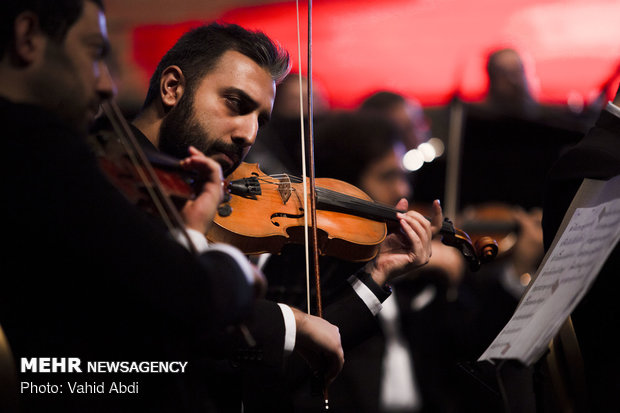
(350, 142)
(198, 51)
(492, 65)
(55, 17)
(382, 101)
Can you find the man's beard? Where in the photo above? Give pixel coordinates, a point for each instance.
(179, 130)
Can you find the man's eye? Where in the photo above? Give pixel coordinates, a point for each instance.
(98, 49)
(234, 103)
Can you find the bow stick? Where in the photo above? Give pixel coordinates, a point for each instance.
(309, 178)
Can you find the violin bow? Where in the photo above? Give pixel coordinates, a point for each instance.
(311, 174)
(309, 178)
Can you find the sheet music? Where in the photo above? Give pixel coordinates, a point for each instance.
(589, 232)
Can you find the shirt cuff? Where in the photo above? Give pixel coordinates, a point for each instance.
(197, 238)
(201, 244)
(290, 329)
(382, 293)
(371, 294)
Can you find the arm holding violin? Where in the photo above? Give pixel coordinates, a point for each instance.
(355, 308)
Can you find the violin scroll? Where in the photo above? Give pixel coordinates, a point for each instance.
(486, 249)
(482, 251)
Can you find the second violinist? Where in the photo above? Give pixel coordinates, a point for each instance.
(216, 99)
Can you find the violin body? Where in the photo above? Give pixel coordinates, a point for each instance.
(262, 213)
(134, 181)
(265, 219)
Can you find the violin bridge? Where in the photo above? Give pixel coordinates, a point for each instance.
(284, 188)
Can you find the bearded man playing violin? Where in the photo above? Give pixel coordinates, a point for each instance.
(213, 90)
(105, 283)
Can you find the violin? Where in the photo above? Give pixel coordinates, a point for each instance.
(262, 213)
(134, 180)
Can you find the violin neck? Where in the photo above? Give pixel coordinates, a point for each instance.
(338, 202)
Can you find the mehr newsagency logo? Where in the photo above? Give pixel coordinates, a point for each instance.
(75, 365)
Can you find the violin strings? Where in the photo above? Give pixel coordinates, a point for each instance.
(327, 195)
(357, 204)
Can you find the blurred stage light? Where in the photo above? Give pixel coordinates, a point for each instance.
(427, 150)
(438, 145)
(413, 160)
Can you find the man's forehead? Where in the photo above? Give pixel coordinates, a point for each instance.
(236, 70)
(92, 22)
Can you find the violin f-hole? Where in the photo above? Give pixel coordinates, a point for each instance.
(286, 215)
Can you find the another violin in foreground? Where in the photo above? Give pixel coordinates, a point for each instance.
(262, 213)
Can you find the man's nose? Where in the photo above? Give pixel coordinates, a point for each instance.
(246, 130)
(106, 88)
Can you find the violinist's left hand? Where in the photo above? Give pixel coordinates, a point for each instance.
(402, 252)
(198, 214)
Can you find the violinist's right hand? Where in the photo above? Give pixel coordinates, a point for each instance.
(318, 342)
(198, 214)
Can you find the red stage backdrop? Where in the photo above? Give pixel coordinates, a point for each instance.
(432, 49)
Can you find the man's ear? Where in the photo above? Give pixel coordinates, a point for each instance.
(29, 42)
(171, 86)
